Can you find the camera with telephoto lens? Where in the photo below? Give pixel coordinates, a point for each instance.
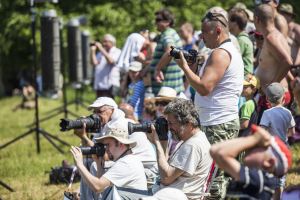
(98, 149)
(190, 55)
(160, 124)
(93, 123)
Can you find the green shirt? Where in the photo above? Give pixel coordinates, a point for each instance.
(246, 47)
(172, 72)
(247, 109)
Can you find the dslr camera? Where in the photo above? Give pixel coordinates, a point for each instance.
(93, 123)
(98, 149)
(190, 55)
(160, 124)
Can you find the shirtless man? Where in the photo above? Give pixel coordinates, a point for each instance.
(280, 22)
(275, 60)
(294, 31)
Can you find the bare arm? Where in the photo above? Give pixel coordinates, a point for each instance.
(94, 59)
(282, 25)
(214, 71)
(244, 123)
(95, 183)
(164, 61)
(225, 153)
(109, 59)
(168, 173)
(291, 132)
(282, 55)
(85, 140)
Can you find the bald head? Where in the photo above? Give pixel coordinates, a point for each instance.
(265, 13)
(128, 110)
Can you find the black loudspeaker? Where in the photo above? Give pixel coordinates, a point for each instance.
(50, 55)
(74, 52)
(86, 56)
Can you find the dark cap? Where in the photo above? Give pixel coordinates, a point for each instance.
(274, 92)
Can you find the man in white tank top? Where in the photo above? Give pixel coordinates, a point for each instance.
(218, 84)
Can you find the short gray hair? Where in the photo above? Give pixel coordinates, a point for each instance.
(184, 111)
(110, 37)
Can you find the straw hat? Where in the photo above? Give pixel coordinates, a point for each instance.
(119, 134)
(166, 94)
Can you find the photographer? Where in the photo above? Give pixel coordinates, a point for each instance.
(109, 114)
(218, 84)
(189, 165)
(127, 171)
(104, 57)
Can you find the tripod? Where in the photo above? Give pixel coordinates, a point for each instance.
(36, 129)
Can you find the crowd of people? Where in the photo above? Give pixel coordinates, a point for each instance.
(228, 116)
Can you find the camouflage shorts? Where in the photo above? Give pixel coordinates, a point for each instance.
(215, 134)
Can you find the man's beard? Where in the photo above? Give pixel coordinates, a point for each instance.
(176, 135)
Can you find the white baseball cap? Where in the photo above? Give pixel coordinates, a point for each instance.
(103, 101)
(135, 66)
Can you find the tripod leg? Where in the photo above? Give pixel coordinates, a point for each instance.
(55, 138)
(17, 138)
(6, 186)
(49, 139)
(46, 118)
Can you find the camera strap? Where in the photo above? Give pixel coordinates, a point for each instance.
(122, 155)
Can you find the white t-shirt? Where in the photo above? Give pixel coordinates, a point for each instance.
(143, 149)
(127, 172)
(193, 157)
(278, 120)
(104, 73)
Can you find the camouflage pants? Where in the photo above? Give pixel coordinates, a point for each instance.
(215, 134)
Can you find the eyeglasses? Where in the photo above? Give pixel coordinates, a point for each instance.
(96, 111)
(161, 103)
(215, 17)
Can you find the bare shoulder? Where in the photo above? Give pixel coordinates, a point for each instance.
(276, 38)
(220, 54)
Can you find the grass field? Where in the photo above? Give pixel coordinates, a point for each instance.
(25, 170)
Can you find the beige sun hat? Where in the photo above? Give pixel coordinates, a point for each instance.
(120, 134)
(166, 94)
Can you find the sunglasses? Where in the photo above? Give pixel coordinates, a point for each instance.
(158, 20)
(161, 103)
(215, 17)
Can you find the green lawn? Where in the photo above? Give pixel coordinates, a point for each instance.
(25, 170)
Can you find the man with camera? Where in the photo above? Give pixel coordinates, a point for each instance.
(218, 83)
(104, 57)
(108, 114)
(127, 171)
(189, 165)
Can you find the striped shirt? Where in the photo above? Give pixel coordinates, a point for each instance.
(253, 184)
(136, 92)
(172, 73)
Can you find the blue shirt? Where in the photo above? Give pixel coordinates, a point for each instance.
(253, 184)
(136, 92)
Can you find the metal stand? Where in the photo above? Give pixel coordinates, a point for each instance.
(6, 186)
(36, 129)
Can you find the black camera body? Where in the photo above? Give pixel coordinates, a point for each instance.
(93, 123)
(190, 55)
(160, 124)
(98, 149)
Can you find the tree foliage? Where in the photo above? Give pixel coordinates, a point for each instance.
(118, 17)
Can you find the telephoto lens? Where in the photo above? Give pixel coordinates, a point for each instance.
(190, 55)
(93, 123)
(98, 149)
(160, 124)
